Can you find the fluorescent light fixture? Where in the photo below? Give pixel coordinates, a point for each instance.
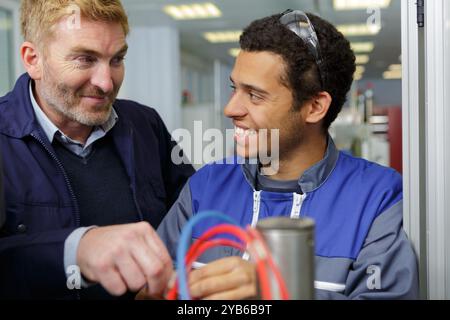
(390, 75)
(362, 47)
(395, 67)
(222, 36)
(394, 72)
(364, 29)
(360, 69)
(193, 11)
(234, 52)
(359, 72)
(362, 58)
(360, 4)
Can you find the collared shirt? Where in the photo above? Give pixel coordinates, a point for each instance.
(52, 132)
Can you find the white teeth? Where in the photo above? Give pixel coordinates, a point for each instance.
(244, 133)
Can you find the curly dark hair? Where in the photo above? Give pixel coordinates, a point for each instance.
(302, 77)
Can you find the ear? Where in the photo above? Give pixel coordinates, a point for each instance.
(31, 60)
(318, 107)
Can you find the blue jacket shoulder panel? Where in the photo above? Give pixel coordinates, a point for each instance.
(345, 206)
(220, 186)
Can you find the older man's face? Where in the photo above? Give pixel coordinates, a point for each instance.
(82, 70)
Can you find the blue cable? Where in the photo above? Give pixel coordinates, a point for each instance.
(184, 242)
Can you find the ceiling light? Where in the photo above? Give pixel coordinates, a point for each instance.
(360, 4)
(193, 11)
(389, 75)
(394, 72)
(362, 58)
(364, 29)
(360, 69)
(222, 36)
(359, 72)
(362, 47)
(234, 52)
(395, 67)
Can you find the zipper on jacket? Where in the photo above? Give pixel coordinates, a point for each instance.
(132, 186)
(66, 178)
(69, 186)
(133, 192)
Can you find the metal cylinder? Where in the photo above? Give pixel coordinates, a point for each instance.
(291, 242)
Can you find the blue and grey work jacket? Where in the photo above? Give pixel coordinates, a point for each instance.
(361, 249)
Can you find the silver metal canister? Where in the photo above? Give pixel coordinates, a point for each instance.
(291, 242)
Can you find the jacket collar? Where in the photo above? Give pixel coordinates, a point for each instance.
(19, 113)
(313, 177)
(18, 119)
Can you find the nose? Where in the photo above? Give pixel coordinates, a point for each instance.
(102, 78)
(235, 107)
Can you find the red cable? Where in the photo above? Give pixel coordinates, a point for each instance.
(192, 253)
(249, 237)
(210, 244)
(284, 292)
(219, 229)
(200, 249)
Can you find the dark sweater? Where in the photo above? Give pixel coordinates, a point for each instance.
(100, 184)
(103, 193)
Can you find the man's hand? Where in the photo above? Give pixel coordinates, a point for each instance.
(144, 293)
(125, 257)
(229, 278)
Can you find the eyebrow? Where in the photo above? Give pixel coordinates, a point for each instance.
(83, 50)
(252, 87)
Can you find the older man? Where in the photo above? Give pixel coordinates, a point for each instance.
(86, 177)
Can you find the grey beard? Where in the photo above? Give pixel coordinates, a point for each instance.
(73, 114)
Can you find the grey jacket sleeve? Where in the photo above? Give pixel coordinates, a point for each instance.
(170, 228)
(386, 267)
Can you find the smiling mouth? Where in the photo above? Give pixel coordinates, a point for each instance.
(244, 133)
(96, 100)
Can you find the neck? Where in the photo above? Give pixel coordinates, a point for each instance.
(292, 165)
(72, 129)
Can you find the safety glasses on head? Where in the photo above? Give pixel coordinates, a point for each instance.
(298, 22)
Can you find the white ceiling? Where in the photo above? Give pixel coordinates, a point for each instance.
(236, 14)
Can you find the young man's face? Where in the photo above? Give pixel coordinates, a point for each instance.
(82, 70)
(261, 101)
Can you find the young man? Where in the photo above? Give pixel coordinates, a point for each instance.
(74, 158)
(294, 79)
